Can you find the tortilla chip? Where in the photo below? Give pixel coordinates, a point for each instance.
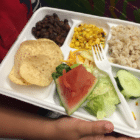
(30, 59)
(17, 80)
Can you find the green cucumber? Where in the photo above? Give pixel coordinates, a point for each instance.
(128, 84)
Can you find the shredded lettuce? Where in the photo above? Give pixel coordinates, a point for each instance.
(102, 106)
(98, 73)
(102, 102)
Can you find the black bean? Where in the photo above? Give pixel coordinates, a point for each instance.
(33, 30)
(43, 22)
(61, 40)
(49, 25)
(58, 29)
(52, 36)
(56, 20)
(38, 23)
(64, 34)
(44, 25)
(47, 16)
(45, 19)
(38, 34)
(55, 15)
(59, 45)
(65, 21)
(55, 34)
(45, 35)
(53, 28)
(43, 31)
(55, 24)
(52, 19)
(60, 23)
(38, 28)
(50, 30)
(57, 38)
(66, 27)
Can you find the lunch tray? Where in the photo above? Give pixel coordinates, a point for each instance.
(46, 97)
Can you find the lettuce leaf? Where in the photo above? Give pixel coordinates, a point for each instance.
(88, 68)
(101, 106)
(102, 102)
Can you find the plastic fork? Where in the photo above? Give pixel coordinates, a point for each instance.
(103, 64)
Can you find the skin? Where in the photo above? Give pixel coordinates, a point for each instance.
(20, 120)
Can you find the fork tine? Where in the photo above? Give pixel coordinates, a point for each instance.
(94, 55)
(97, 53)
(102, 51)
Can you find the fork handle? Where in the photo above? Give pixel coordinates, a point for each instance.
(125, 105)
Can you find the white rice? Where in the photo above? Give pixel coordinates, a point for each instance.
(124, 46)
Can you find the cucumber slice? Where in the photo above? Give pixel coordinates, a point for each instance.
(129, 84)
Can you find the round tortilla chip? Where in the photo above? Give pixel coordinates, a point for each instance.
(17, 80)
(38, 69)
(36, 47)
(35, 61)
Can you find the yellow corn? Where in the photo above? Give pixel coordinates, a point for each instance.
(87, 35)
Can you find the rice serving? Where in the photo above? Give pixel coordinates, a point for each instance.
(124, 46)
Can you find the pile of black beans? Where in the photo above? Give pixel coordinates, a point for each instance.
(51, 27)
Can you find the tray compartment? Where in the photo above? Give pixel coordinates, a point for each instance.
(109, 37)
(99, 23)
(65, 48)
(41, 15)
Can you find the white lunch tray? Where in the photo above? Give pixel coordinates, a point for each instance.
(46, 97)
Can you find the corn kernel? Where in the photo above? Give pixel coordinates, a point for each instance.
(84, 33)
(87, 36)
(87, 29)
(80, 37)
(72, 45)
(78, 29)
(90, 42)
(77, 43)
(90, 26)
(76, 33)
(97, 41)
(82, 45)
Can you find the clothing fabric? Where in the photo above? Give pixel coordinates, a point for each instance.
(13, 17)
(120, 9)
